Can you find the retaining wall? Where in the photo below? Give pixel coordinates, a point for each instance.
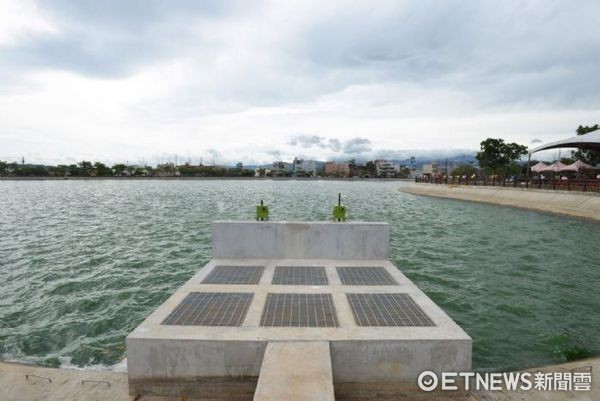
(577, 204)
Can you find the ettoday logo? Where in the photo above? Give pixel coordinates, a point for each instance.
(525, 381)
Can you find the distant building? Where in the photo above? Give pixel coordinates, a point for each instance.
(305, 167)
(436, 168)
(384, 168)
(430, 168)
(282, 168)
(239, 166)
(162, 170)
(333, 169)
(412, 164)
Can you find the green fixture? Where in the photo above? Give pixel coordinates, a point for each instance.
(262, 212)
(339, 211)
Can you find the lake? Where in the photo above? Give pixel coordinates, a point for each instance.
(84, 262)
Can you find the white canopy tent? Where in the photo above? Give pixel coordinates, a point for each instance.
(587, 141)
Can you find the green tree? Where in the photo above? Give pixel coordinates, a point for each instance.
(464, 169)
(32, 170)
(498, 157)
(85, 168)
(73, 170)
(102, 170)
(582, 130)
(118, 169)
(589, 156)
(58, 171)
(3, 167)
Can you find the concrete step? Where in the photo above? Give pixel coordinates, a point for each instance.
(296, 371)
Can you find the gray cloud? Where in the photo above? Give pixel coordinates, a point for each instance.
(308, 141)
(334, 144)
(115, 38)
(431, 154)
(536, 140)
(543, 59)
(357, 145)
(349, 147)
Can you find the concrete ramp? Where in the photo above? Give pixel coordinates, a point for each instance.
(296, 371)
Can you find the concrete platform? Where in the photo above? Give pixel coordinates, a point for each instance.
(379, 336)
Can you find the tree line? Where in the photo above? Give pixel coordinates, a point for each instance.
(98, 169)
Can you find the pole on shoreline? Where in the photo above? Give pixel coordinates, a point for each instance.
(528, 169)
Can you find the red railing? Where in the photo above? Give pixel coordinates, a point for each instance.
(580, 185)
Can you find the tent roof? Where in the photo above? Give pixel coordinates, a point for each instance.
(587, 141)
(578, 165)
(539, 167)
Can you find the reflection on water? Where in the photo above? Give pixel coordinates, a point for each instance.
(83, 262)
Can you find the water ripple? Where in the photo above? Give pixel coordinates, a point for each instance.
(83, 262)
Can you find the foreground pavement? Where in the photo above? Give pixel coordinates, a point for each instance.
(20, 382)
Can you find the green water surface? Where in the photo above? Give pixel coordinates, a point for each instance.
(83, 262)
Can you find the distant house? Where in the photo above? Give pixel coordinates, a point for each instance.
(305, 167)
(334, 169)
(384, 168)
(281, 168)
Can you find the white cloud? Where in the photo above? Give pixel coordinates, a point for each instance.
(21, 19)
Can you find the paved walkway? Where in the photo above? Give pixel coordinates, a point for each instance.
(575, 204)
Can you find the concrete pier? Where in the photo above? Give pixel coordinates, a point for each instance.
(294, 302)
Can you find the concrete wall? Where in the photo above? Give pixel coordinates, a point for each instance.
(400, 361)
(576, 204)
(301, 240)
(216, 370)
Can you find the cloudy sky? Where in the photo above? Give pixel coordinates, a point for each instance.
(118, 80)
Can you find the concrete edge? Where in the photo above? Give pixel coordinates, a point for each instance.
(578, 205)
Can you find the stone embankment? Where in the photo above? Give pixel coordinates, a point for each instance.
(576, 204)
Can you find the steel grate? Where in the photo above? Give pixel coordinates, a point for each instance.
(234, 275)
(211, 309)
(350, 275)
(300, 275)
(387, 310)
(299, 310)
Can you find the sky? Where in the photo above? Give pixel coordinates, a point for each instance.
(148, 81)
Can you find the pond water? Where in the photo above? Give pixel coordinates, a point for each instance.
(84, 262)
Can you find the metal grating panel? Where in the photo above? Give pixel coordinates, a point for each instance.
(299, 310)
(365, 276)
(234, 275)
(387, 310)
(211, 309)
(300, 275)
